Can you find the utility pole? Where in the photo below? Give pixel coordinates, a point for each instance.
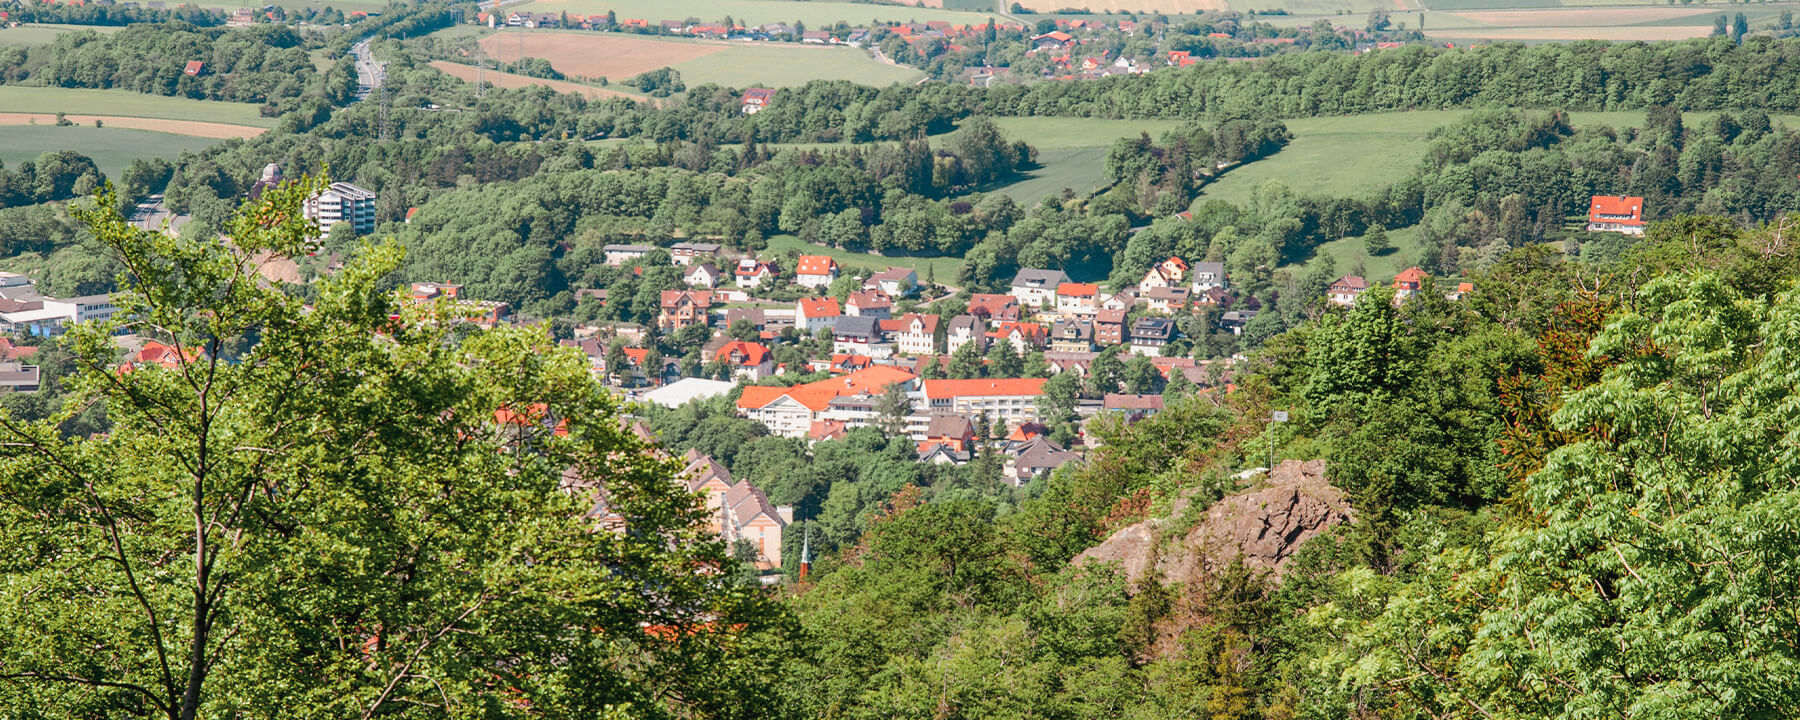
(386, 129)
(1279, 416)
(480, 69)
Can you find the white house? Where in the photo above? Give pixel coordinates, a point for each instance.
(1037, 288)
(815, 271)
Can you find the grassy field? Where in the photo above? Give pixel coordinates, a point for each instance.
(754, 12)
(1348, 252)
(943, 268)
(618, 56)
(124, 103)
(111, 148)
(44, 33)
(1339, 155)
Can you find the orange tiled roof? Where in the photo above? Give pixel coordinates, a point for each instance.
(942, 389)
(815, 265)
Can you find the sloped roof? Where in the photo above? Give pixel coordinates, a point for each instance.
(1071, 289)
(817, 395)
(815, 265)
(1410, 275)
(753, 353)
(1035, 276)
(1631, 207)
(818, 307)
(949, 426)
(945, 389)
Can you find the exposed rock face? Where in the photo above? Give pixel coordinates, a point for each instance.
(1264, 525)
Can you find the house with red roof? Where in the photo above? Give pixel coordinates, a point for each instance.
(755, 99)
(1608, 213)
(1181, 58)
(914, 333)
(751, 272)
(746, 360)
(160, 355)
(194, 68)
(994, 309)
(812, 313)
(1053, 41)
(685, 308)
(1343, 292)
(815, 271)
(1025, 337)
(1409, 281)
(1077, 299)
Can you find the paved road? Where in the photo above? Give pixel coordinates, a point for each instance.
(150, 215)
(369, 74)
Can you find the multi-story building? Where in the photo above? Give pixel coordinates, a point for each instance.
(815, 271)
(1013, 400)
(914, 333)
(685, 308)
(1608, 213)
(1343, 292)
(1150, 334)
(341, 202)
(1037, 288)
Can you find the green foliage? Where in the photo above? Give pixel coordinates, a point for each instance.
(341, 521)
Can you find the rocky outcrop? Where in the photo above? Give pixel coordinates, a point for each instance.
(1265, 525)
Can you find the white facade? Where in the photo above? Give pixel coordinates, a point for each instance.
(342, 202)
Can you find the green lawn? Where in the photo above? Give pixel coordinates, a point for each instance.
(1055, 133)
(944, 268)
(45, 33)
(782, 65)
(124, 103)
(1348, 252)
(1338, 155)
(753, 12)
(111, 148)
(1081, 169)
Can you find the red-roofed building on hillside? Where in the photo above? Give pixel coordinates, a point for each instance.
(1609, 213)
(914, 333)
(815, 271)
(1053, 41)
(1077, 299)
(1012, 400)
(994, 309)
(755, 99)
(161, 355)
(194, 68)
(747, 360)
(813, 313)
(751, 272)
(1025, 337)
(1409, 281)
(791, 411)
(685, 308)
(1343, 292)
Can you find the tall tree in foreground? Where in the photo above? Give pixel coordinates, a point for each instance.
(357, 517)
(1654, 574)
